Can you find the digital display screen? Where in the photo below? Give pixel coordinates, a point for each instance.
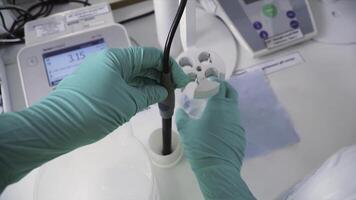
(250, 1)
(61, 63)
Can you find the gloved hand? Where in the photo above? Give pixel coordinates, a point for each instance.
(104, 93)
(214, 145)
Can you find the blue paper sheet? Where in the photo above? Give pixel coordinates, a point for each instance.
(267, 124)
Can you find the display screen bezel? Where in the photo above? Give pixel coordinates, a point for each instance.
(65, 50)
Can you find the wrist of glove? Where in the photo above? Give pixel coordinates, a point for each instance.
(214, 145)
(216, 138)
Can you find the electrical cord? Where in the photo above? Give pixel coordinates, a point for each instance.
(18, 9)
(136, 17)
(85, 3)
(14, 40)
(167, 106)
(43, 8)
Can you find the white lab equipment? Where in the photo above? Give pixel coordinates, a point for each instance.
(199, 63)
(335, 179)
(165, 11)
(332, 17)
(56, 45)
(5, 104)
(155, 147)
(265, 26)
(117, 167)
(201, 66)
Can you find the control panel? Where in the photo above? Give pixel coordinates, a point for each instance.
(265, 26)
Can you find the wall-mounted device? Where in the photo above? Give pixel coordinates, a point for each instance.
(56, 45)
(265, 26)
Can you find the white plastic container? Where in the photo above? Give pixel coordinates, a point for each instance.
(155, 148)
(117, 167)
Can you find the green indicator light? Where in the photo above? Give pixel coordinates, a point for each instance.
(270, 10)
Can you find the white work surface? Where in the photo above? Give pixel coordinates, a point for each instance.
(319, 96)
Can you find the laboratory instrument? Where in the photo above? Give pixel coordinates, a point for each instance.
(56, 45)
(200, 64)
(264, 27)
(167, 106)
(202, 67)
(165, 11)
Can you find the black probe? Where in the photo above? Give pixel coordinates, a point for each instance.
(166, 107)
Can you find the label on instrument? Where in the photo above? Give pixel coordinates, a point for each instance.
(284, 38)
(87, 14)
(277, 64)
(50, 28)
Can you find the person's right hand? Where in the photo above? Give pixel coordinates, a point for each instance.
(106, 90)
(214, 145)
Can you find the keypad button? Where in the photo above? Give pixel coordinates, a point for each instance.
(264, 35)
(294, 24)
(270, 10)
(291, 14)
(258, 25)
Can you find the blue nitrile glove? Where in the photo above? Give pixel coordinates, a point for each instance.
(214, 145)
(104, 93)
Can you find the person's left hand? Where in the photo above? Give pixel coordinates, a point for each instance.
(111, 87)
(104, 93)
(118, 83)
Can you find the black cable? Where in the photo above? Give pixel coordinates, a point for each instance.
(170, 37)
(3, 22)
(11, 40)
(167, 106)
(136, 17)
(50, 6)
(85, 3)
(40, 11)
(19, 10)
(166, 136)
(42, 8)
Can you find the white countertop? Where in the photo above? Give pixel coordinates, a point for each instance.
(319, 95)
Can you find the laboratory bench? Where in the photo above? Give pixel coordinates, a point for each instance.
(319, 95)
